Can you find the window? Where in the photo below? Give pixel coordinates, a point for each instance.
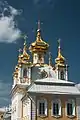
(44, 74)
(42, 107)
(56, 108)
(25, 72)
(62, 75)
(70, 108)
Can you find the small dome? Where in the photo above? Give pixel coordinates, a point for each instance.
(39, 45)
(60, 60)
(24, 57)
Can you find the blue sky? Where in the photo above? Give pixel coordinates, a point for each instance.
(61, 19)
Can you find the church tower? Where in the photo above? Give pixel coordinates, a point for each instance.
(38, 48)
(21, 80)
(22, 74)
(60, 65)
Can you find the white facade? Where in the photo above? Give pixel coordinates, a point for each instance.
(16, 106)
(27, 109)
(34, 78)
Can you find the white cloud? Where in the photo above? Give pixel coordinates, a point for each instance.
(9, 32)
(15, 11)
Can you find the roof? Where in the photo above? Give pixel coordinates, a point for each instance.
(53, 89)
(53, 80)
(53, 86)
(14, 88)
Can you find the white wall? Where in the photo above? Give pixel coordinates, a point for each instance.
(16, 106)
(27, 109)
(78, 108)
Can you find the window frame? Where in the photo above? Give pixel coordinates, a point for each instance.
(45, 112)
(71, 101)
(62, 75)
(25, 76)
(60, 109)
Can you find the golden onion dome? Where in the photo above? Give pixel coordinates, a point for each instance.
(39, 45)
(60, 60)
(24, 57)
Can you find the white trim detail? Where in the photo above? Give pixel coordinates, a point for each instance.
(44, 101)
(56, 101)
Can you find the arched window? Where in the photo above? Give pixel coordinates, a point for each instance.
(25, 72)
(56, 108)
(70, 107)
(42, 107)
(62, 75)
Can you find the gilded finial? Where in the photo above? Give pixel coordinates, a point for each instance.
(38, 31)
(38, 24)
(59, 47)
(20, 50)
(50, 58)
(25, 37)
(60, 59)
(59, 40)
(25, 45)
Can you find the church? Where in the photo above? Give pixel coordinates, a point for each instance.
(40, 90)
